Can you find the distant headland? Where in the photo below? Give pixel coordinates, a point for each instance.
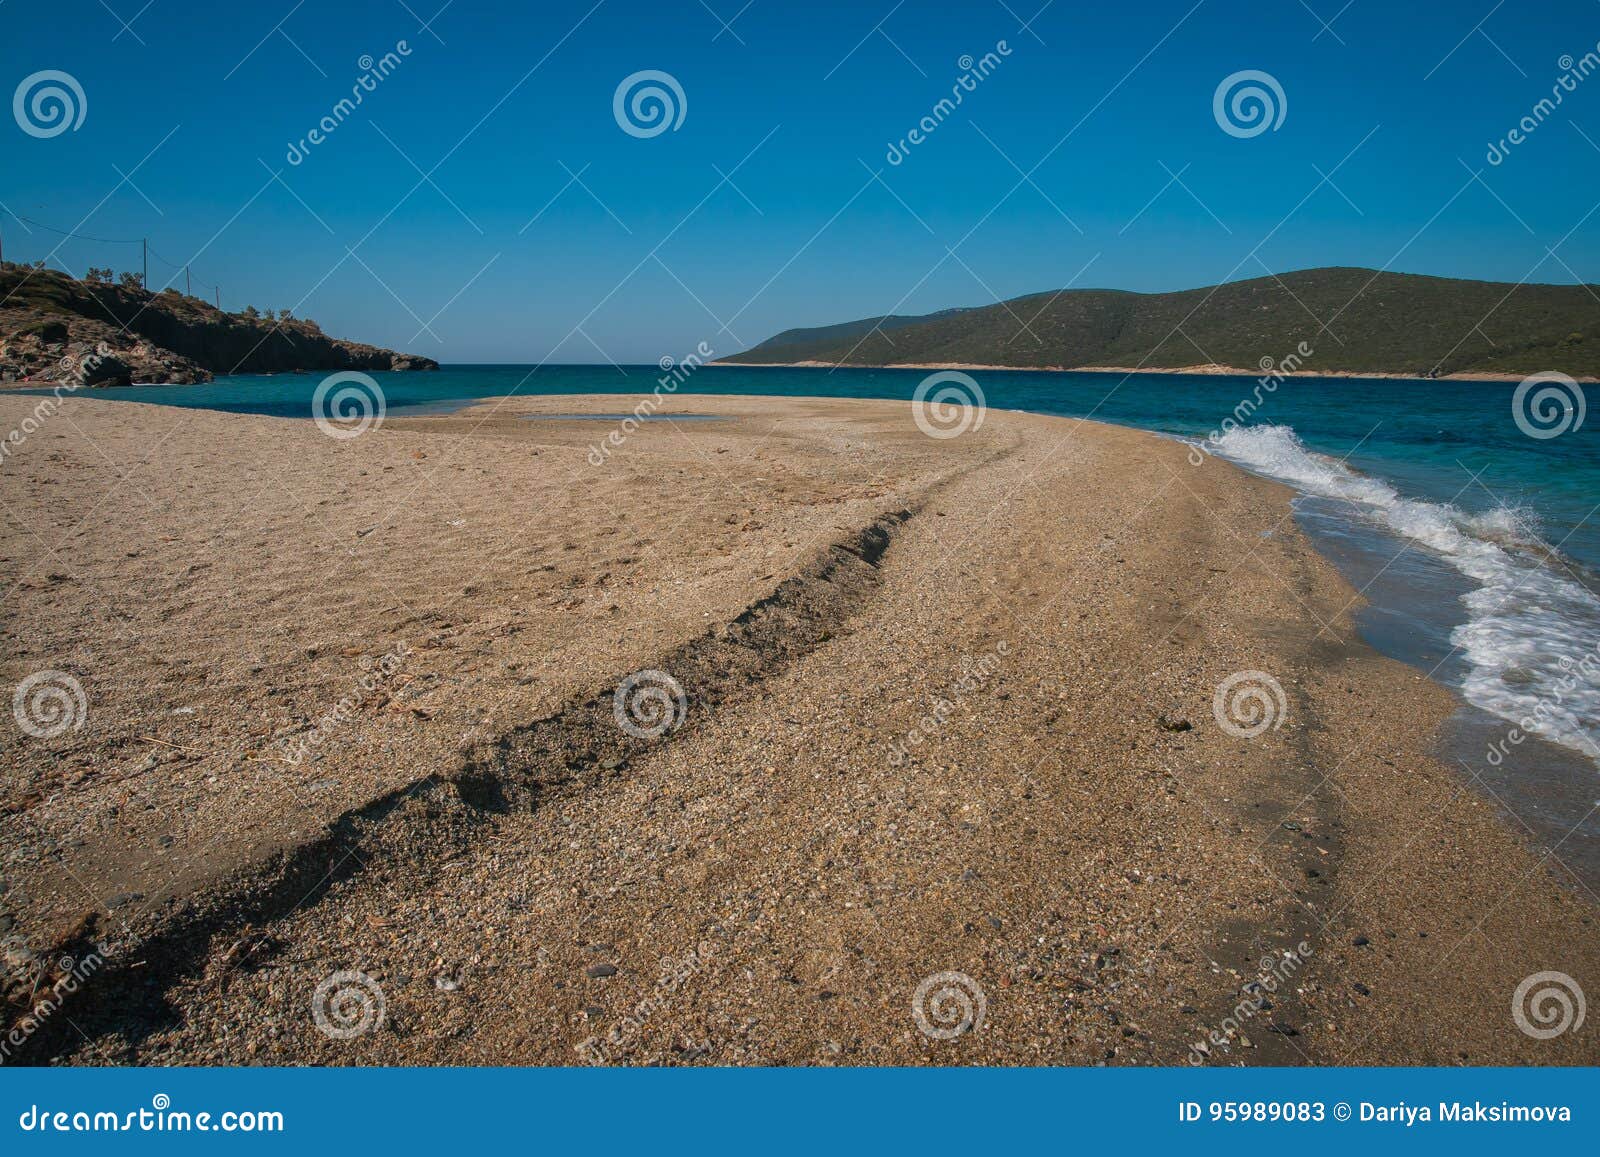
(55, 328)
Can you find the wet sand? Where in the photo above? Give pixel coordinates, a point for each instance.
(947, 708)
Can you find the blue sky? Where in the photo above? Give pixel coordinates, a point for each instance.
(1108, 109)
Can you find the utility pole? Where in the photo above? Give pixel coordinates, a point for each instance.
(188, 290)
(218, 288)
(145, 243)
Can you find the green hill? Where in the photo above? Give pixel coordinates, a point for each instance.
(1396, 323)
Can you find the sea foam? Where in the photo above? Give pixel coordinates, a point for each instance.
(1531, 639)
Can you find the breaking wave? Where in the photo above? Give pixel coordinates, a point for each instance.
(1531, 639)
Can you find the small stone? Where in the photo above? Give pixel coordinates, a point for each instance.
(1361, 942)
(600, 971)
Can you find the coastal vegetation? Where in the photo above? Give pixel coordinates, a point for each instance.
(1353, 320)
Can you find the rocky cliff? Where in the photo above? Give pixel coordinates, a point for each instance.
(55, 328)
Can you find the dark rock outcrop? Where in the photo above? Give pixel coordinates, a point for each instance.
(54, 328)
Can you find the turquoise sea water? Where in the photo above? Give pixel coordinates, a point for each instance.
(1477, 536)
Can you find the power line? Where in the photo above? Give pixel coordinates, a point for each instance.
(149, 252)
(80, 236)
(174, 265)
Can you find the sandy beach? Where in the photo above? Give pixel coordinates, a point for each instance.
(947, 707)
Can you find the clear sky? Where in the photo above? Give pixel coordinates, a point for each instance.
(544, 231)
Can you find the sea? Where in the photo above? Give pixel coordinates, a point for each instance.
(1465, 512)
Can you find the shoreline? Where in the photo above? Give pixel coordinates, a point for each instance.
(1195, 370)
(1219, 371)
(1057, 831)
(1189, 370)
(1560, 752)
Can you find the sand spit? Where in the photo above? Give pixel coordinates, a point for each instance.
(946, 722)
